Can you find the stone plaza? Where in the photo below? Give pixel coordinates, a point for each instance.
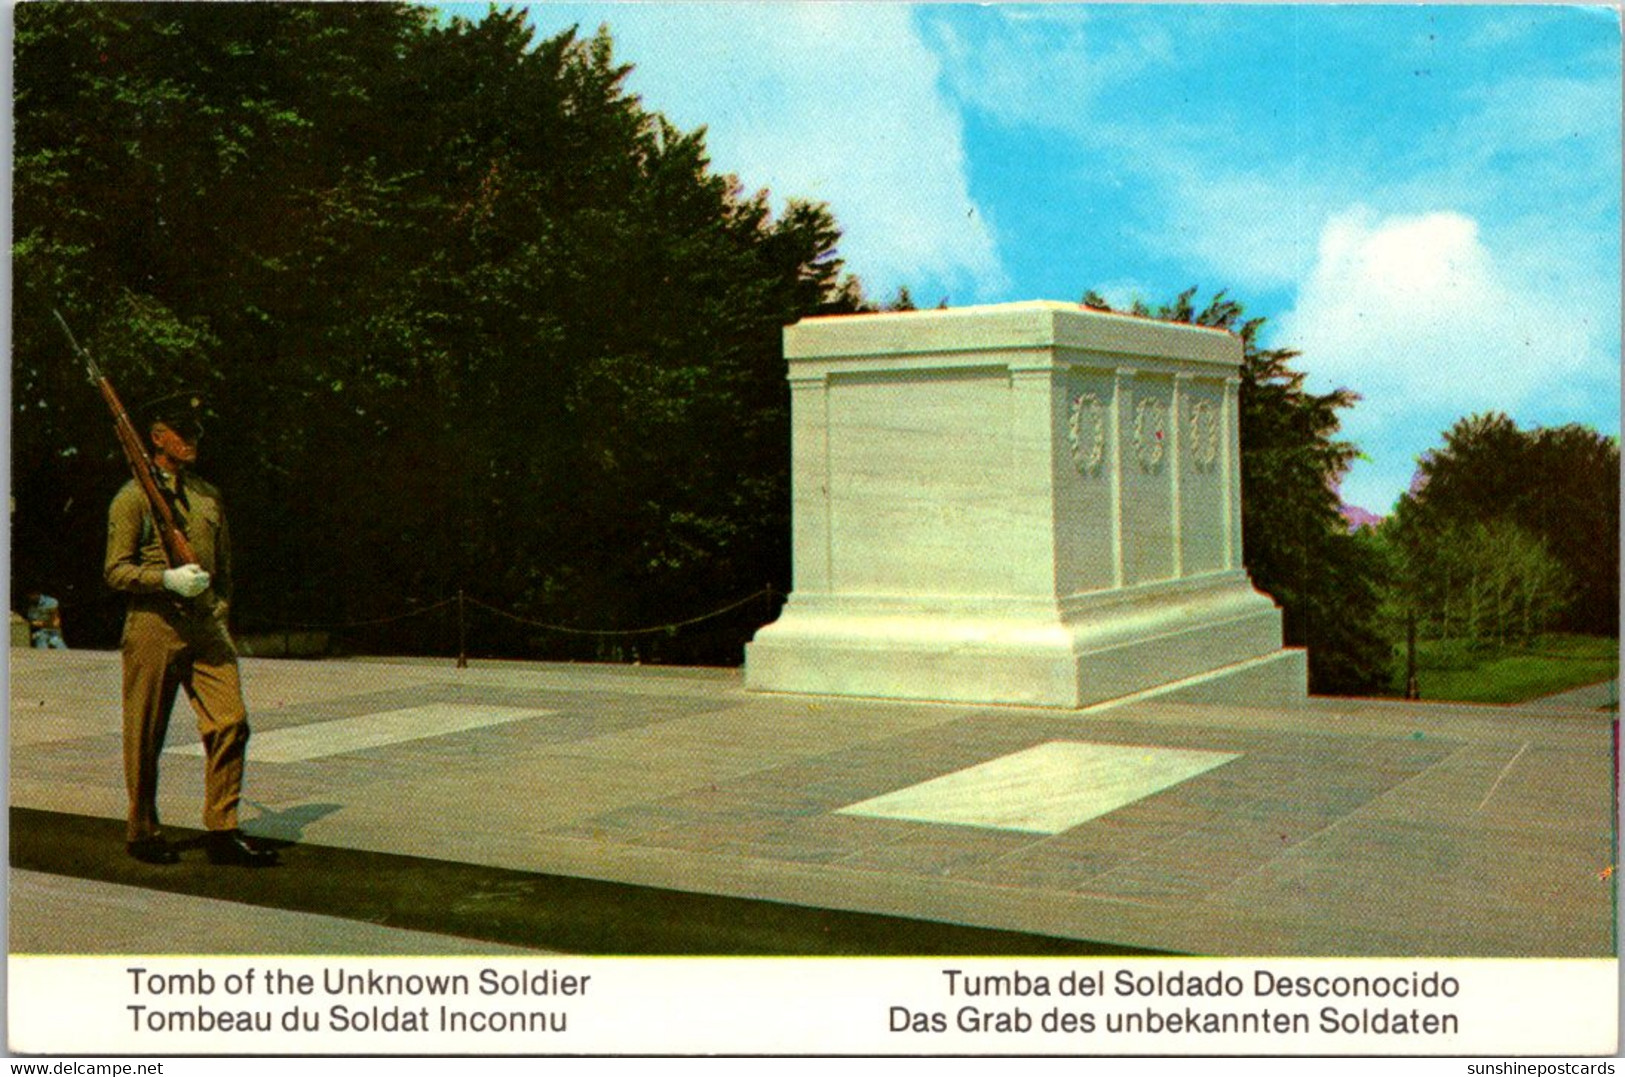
(1332, 827)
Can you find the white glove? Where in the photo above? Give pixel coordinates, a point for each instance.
(188, 581)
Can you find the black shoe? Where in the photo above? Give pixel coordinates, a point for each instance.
(235, 847)
(152, 851)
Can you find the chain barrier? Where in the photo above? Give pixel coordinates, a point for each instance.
(462, 598)
(286, 626)
(277, 626)
(766, 592)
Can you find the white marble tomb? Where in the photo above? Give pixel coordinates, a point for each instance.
(1031, 503)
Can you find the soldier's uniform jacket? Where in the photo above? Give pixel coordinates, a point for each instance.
(135, 557)
(172, 642)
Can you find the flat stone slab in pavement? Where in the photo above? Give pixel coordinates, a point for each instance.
(57, 914)
(1345, 827)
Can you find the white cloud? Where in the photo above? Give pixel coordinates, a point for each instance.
(1498, 32)
(1536, 113)
(1419, 316)
(1047, 66)
(1405, 307)
(1532, 153)
(1122, 294)
(1251, 230)
(829, 102)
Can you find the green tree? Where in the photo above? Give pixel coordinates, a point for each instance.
(1558, 485)
(1481, 583)
(1295, 543)
(467, 314)
(903, 300)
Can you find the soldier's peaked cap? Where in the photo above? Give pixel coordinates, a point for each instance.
(182, 412)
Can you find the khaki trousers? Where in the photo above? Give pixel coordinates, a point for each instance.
(166, 650)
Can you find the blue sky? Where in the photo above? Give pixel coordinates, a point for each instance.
(1424, 200)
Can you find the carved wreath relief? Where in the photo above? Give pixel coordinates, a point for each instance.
(1086, 433)
(1150, 433)
(1204, 435)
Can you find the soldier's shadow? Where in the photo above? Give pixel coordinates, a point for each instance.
(287, 825)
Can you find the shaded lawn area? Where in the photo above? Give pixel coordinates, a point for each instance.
(1516, 673)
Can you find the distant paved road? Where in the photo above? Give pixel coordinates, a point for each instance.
(1598, 696)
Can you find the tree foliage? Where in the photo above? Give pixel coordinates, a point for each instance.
(1484, 582)
(467, 315)
(1295, 543)
(1522, 513)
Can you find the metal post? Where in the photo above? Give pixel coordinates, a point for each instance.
(462, 632)
(1413, 688)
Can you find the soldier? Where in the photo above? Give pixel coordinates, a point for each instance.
(176, 637)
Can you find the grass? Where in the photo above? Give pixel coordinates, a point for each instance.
(1515, 673)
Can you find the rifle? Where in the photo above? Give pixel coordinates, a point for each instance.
(177, 550)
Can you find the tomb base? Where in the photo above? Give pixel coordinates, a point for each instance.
(1216, 637)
